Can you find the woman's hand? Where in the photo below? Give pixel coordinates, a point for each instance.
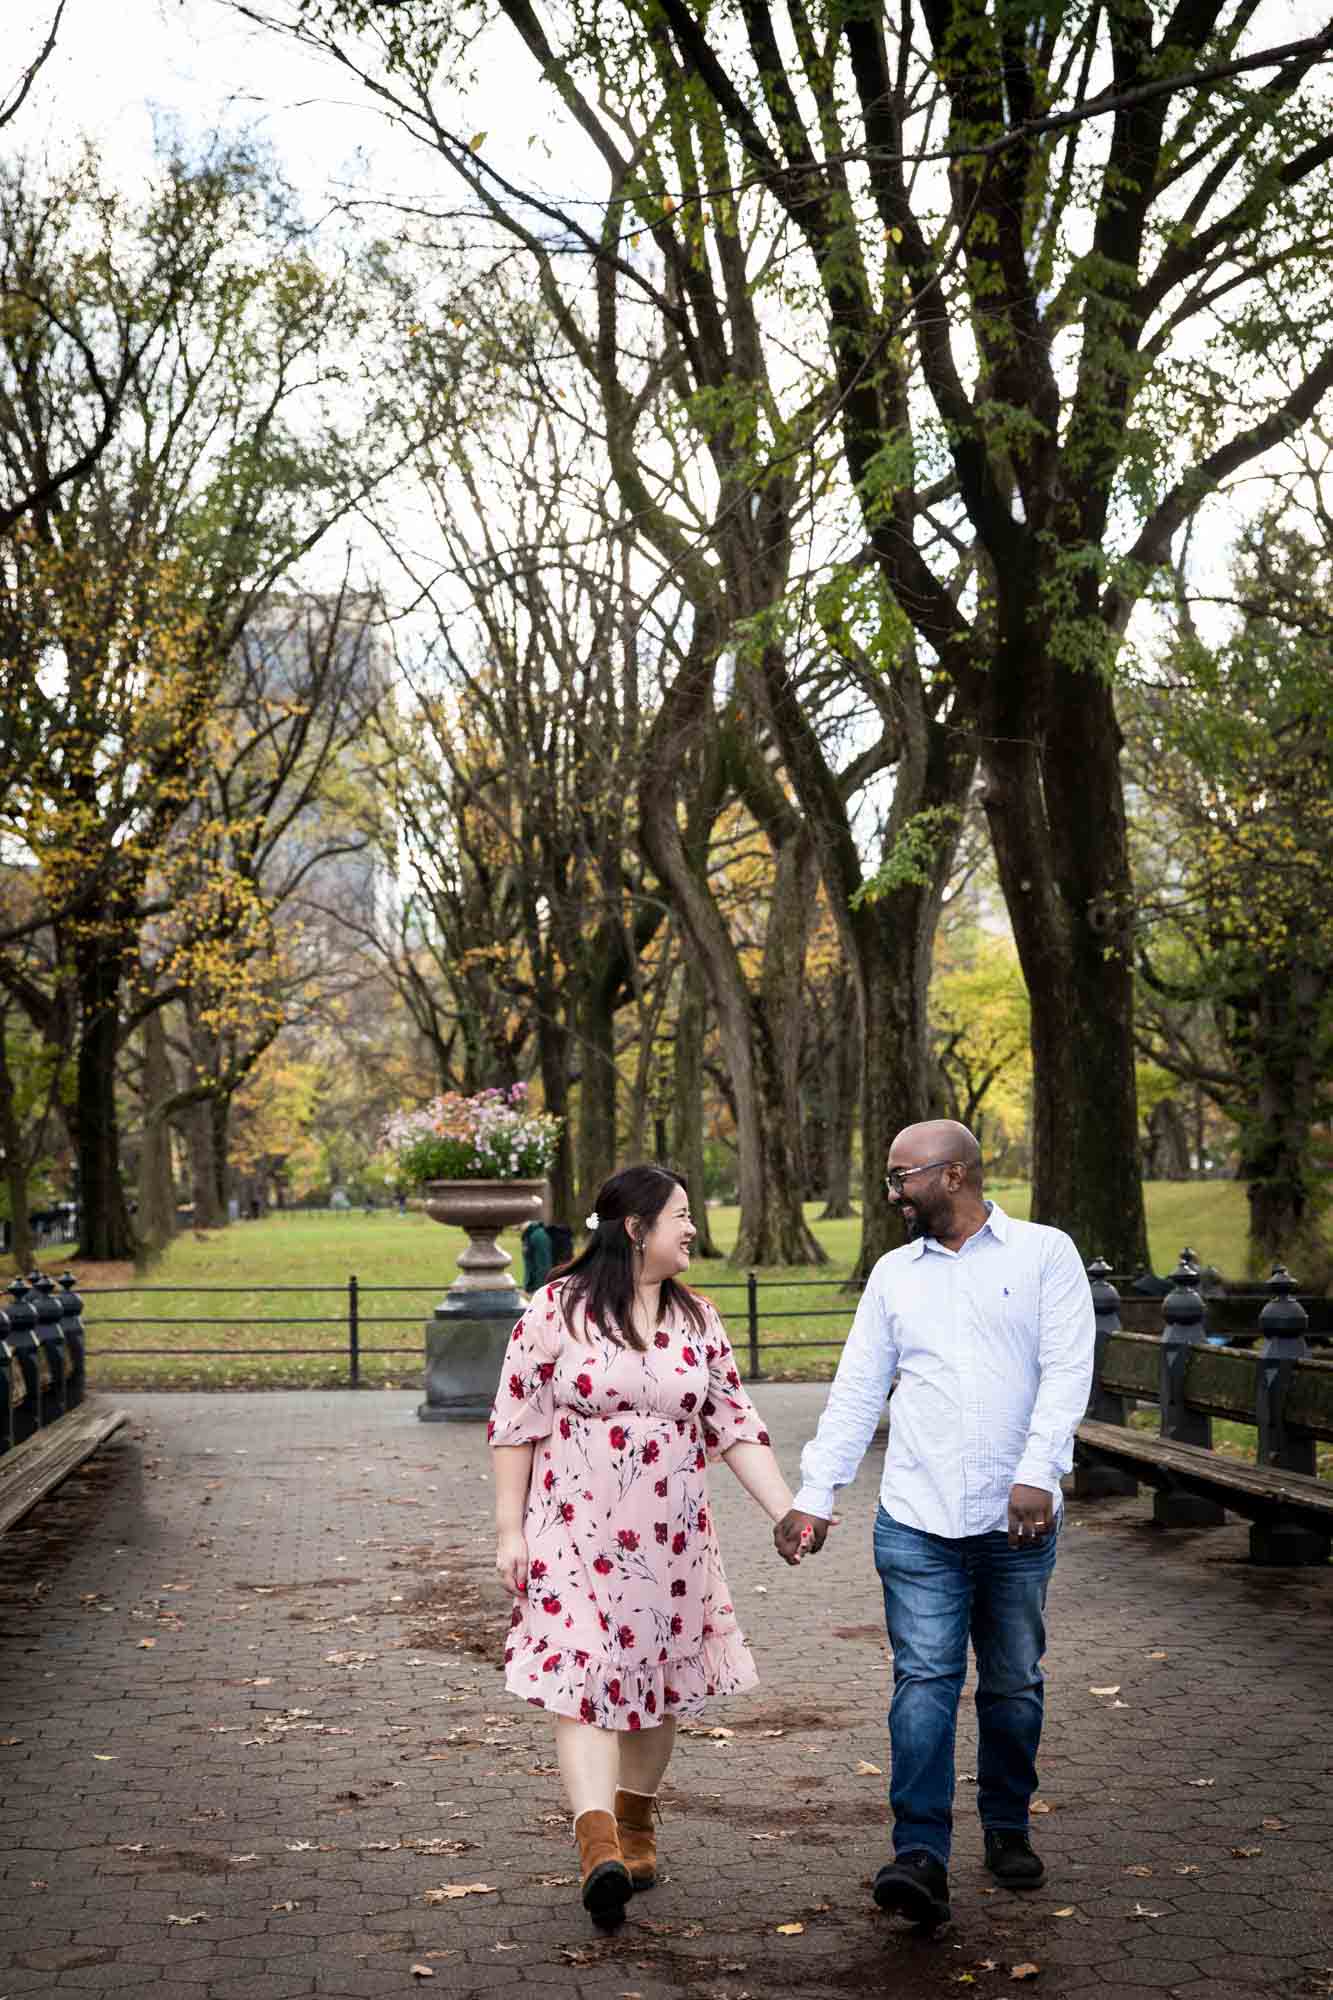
(511, 1561)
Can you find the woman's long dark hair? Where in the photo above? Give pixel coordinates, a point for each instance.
(601, 1277)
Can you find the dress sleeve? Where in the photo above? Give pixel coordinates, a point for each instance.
(729, 1417)
(524, 1406)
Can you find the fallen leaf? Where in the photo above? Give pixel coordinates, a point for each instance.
(284, 1906)
(104, 1756)
(451, 1891)
(132, 1847)
(195, 1917)
(1040, 1806)
(965, 1979)
(1186, 1868)
(235, 1859)
(864, 1770)
(147, 1645)
(1159, 1656)
(35, 1882)
(985, 1965)
(10, 1741)
(298, 1846)
(1025, 1971)
(1120, 1704)
(556, 1881)
(1246, 1853)
(423, 1972)
(790, 1930)
(1138, 1871)
(1201, 1783)
(1139, 1910)
(1068, 1911)
(1273, 1825)
(1110, 1690)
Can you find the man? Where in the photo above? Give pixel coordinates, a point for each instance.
(987, 1325)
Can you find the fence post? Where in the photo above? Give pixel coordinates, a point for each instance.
(1283, 1324)
(50, 1336)
(27, 1416)
(752, 1317)
(354, 1332)
(71, 1305)
(11, 1385)
(1185, 1325)
(1092, 1481)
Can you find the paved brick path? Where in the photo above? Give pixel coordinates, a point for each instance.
(249, 1661)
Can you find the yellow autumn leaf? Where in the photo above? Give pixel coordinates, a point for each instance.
(790, 1930)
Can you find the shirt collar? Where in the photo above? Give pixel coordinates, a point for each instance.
(997, 1222)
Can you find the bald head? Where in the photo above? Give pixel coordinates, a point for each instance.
(937, 1139)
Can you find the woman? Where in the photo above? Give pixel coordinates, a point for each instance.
(618, 1385)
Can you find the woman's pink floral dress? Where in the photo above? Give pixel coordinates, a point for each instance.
(628, 1618)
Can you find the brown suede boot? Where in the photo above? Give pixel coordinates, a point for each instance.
(605, 1880)
(638, 1836)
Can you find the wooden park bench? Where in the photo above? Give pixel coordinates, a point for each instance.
(1282, 1391)
(48, 1428)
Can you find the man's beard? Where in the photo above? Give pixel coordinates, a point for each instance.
(920, 1223)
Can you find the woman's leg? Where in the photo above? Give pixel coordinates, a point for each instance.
(644, 1756)
(589, 1762)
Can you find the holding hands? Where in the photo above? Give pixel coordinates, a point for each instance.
(798, 1534)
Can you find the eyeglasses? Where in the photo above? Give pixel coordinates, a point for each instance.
(894, 1178)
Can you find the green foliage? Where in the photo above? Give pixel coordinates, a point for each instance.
(914, 854)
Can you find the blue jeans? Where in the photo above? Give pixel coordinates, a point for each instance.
(936, 1593)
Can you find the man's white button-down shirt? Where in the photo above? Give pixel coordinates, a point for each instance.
(992, 1348)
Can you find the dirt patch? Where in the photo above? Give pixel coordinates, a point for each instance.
(780, 1814)
(786, 1716)
(299, 1589)
(875, 1632)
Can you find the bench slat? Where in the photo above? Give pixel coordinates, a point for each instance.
(1254, 1490)
(42, 1462)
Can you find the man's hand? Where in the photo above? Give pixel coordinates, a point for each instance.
(798, 1535)
(1031, 1514)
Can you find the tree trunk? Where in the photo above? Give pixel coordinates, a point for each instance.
(16, 1168)
(597, 1068)
(157, 1181)
(841, 1081)
(207, 1170)
(1055, 807)
(104, 1219)
(773, 1228)
(553, 1057)
(1167, 1154)
(782, 979)
(1277, 1138)
(687, 1118)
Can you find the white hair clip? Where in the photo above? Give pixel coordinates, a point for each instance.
(592, 1222)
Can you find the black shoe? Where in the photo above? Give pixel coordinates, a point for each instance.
(916, 1885)
(1010, 1858)
(606, 1892)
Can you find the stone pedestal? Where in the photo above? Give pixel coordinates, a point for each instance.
(468, 1332)
(466, 1339)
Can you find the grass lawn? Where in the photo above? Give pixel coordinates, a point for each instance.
(296, 1266)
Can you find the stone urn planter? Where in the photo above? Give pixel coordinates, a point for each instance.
(469, 1329)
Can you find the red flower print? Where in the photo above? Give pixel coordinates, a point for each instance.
(689, 1357)
(624, 1406)
(603, 1565)
(650, 1702)
(550, 1663)
(703, 1520)
(625, 1636)
(535, 1700)
(678, 1587)
(628, 1539)
(710, 1354)
(633, 1719)
(670, 1697)
(546, 1371)
(617, 1437)
(677, 1624)
(678, 1542)
(688, 1401)
(516, 1616)
(708, 1408)
(537, 1568)
(710, 1436)
(660, 1489)
(490, 1429)
(583, 1383)
(580, 1658)
(764, 1438)
(613, 1693)
(567, 1510)
(587, 1713)
(652, 1451)
(565, 1427)
(604, 1621)
(733, 1379)
(661, 1530)
(516, 1387)
(549, 1481)
(550, 1605)
(699, 1461)
(661, 1340)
